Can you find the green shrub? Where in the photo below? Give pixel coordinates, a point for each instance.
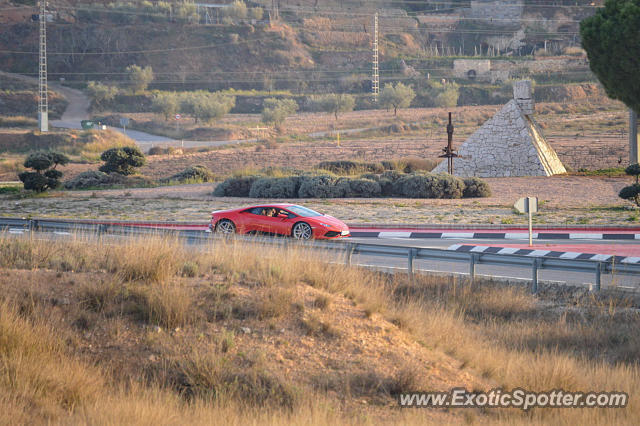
(447, 186)
(386, 187)
(45, 176)
(322, 186)
(96, 179)
(428, 186)
(631, 193)
(392, 175)
(370, 176)
(123, 160)
(88, 179)
(235, 187)
(475, 187)
(285, 187)
(346, 167)
(197, 173)
(413, 186)
(365, 188)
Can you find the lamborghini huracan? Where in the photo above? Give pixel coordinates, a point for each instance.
(291, 220)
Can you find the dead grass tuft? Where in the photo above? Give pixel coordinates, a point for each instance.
(313, 325)
(167, 305)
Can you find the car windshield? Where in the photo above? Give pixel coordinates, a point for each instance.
(303, 211)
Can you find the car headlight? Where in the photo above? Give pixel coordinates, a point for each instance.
(325, 225)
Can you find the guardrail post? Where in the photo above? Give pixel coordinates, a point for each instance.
(349, 254)
(598, 275)
(472, 267)
(411, 255)
(534, 285)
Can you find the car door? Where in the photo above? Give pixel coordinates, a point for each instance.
(269, 221)
(283, 222)
(253, 220)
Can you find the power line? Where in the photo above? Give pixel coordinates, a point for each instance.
(150, 51)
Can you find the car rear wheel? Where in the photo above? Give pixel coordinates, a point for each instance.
(302, 231)
(225, 227)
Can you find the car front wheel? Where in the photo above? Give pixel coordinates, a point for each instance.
(302, 231)
(225, 227)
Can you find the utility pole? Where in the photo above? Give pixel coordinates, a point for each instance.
(43, 105)
(375, 78)
(634, 143)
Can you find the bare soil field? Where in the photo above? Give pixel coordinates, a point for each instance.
(565, 200)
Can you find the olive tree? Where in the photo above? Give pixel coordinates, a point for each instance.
(398, 96)
(275, 111)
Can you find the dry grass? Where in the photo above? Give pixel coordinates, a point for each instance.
(500, 333)
(11, 166)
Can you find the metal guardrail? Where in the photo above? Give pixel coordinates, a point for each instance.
(597, 268)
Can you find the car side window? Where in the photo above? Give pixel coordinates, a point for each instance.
(289, 214)
(256, 210)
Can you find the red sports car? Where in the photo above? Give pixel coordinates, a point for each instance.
(282, 219)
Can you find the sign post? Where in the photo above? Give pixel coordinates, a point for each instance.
(124, 122)
(178, 118)
(528, 205)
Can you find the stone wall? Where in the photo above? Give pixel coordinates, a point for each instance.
(481, 68)
(499, 11)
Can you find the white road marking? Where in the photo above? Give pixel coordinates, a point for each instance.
(585, 236)
(539, 253)
(519, 236)
(569, 255)
(458, 235)
(631, 260)
(394, 235)
(508, 250)
(480, 249)
(601, 257)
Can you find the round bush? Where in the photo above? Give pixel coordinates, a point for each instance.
(633, 170)
(286, 187)
(193, 173)
(235, 187)
(631, 193)
(475, 187)
(322, 186)
(392, 175)
(365, 188)
(88, 179)
(428, 185)
(447, 186)
(413, 186)
(386, 187)
(370, 176)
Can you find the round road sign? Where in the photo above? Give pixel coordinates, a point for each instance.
(178, 117)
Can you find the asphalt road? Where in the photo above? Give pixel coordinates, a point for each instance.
(519, 273)
(78, 110)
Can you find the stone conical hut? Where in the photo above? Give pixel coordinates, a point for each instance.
(511, 143)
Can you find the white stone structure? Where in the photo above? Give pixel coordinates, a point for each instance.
(509, 144)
